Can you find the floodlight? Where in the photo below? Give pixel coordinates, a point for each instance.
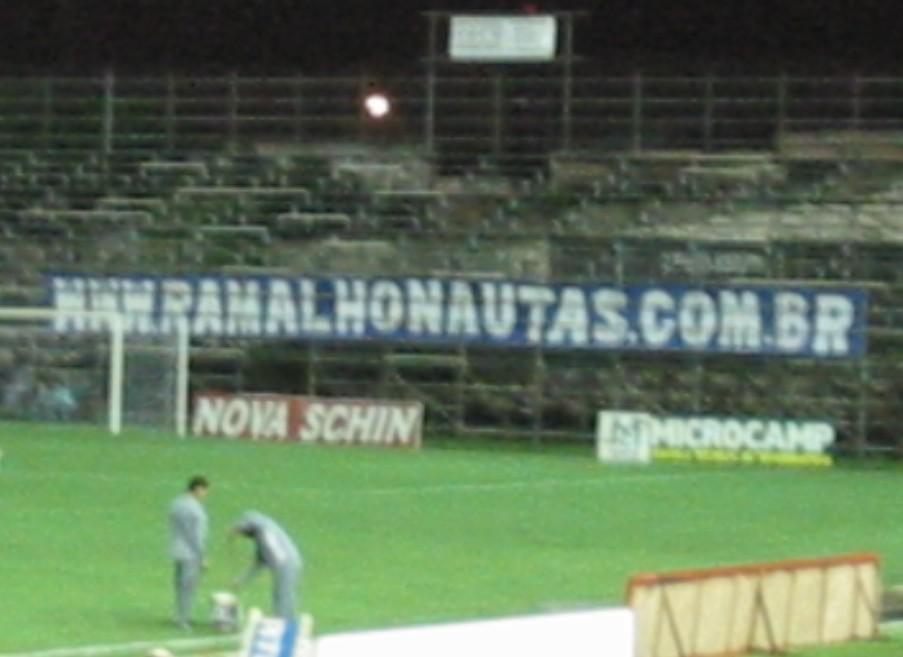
(377, 105)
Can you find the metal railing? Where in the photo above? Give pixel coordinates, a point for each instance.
(462, 118)
(544, 394)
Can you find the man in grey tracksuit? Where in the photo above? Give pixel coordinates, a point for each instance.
(276, 551)
(187, 545)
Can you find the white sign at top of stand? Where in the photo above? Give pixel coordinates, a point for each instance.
(503, 38)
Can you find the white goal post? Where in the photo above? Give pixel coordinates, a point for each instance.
(112, 326)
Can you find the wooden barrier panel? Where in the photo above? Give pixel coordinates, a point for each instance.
(767, 607)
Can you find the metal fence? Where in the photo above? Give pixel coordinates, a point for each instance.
(494, 113)
(544, 394)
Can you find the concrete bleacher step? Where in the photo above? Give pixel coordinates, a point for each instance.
(85, 218)
(20, 198)
(245, 170)
(222, 209)
(412, 196)
(421, 203)
(216, 256)
(152, 205)
(300, 194)
(21, 261)
(364, 168)
(30, 178)
(174, 168)
(17, 295)
(434, 362)
(309, 163)
(40, 229)
(383, 221)
(13, 154)
(163, 253)
(310, 179)
(241, 233)
(256, 270)
(167, 231)
(163, 177)
(294, 223)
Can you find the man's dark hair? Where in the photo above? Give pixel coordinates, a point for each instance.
(198, 482)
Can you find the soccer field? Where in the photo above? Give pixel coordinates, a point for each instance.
(397, 537)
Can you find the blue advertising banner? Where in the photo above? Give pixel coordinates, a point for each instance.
(820, 323)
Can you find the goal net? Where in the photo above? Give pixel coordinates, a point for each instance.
(86, 368)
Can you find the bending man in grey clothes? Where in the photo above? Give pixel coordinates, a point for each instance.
(275, 550)
(187, 545)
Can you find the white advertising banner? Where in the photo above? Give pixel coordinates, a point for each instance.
(502, 38)
(632, 436)
(302, 419)
(775, 321)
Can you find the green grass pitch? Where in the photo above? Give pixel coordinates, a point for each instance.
(396, 537)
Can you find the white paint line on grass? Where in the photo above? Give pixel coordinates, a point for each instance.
(427, 489)
(519, 484)
(108, 650)
(424, 489)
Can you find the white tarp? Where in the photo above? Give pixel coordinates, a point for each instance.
(608, 632)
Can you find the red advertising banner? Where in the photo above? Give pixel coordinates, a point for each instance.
(294, 418)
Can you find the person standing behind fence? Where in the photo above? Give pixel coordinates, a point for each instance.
(187, 545)
(276, 551)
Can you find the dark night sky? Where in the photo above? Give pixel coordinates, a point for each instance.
(318, 36)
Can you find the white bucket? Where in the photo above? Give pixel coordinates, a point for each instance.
(225, 611)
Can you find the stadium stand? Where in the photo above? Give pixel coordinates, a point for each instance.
(802, 212)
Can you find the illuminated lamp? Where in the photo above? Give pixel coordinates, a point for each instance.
(377, 105)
